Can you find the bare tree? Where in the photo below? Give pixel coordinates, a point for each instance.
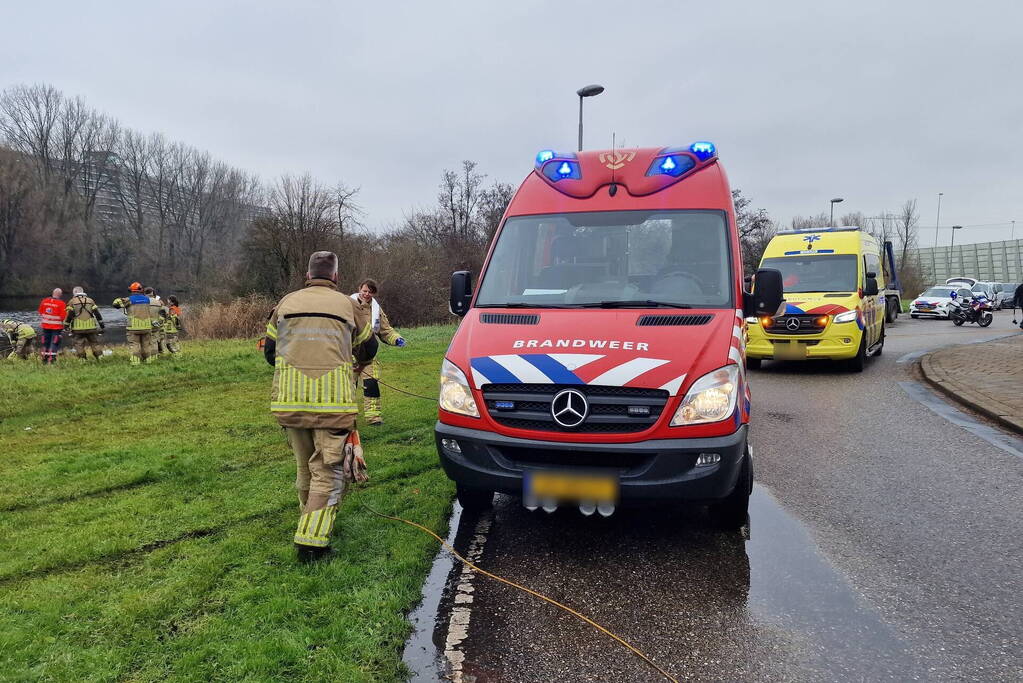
(821, 220)
(905, 228)
(755, 229)
(28, 118)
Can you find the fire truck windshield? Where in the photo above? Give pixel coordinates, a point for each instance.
(637, 257)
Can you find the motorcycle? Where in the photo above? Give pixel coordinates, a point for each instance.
(976, 310)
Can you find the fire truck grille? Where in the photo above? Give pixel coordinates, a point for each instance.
(612, 410)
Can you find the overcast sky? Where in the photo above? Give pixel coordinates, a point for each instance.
(876, 102)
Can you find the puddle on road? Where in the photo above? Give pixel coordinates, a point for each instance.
(423, 656)
(792, 588)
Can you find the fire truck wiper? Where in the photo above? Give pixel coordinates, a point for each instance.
(520, 304)
(646, 303)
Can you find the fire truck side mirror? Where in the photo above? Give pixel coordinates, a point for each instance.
(767, 297)
(461, 292)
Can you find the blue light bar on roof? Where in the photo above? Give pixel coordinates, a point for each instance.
(672, 165)
(561, 169)
(703, 150)
(544, 156)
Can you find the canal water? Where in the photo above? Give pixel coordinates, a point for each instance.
(25, 309)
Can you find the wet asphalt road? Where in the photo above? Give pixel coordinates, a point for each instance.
(884, 544)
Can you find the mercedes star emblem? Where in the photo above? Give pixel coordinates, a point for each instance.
(569, 408)
(792, 323)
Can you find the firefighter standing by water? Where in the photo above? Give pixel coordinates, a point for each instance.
(144, 316)
(309, 340)
(21, 336)
(52, 310)
(160, 312)
(173, 325)
(85, 323)
(375, 326)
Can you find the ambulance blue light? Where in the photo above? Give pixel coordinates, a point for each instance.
(544, 156)
(668, 165)
(703, 150)
(565, 169)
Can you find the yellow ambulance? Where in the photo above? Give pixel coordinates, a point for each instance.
(834, 298)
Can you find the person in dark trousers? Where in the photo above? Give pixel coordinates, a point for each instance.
(52, 310)
(1017, 302)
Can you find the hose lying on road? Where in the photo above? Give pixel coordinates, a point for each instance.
(552, 601)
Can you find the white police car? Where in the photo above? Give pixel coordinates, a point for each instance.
(934, 302)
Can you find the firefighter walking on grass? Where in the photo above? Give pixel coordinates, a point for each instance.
(144, 316)
(309, 340)
(85, 323)
(22, 337)
(375, 326)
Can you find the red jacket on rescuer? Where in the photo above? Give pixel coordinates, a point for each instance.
(53, 312)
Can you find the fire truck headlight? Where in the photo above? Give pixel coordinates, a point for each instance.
(455, 394)
(847, 317)
(710, 399)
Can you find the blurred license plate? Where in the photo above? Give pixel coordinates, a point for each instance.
(927, 308)
(792, 350)
(559, 486)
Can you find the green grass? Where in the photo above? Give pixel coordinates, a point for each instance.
(146, 518)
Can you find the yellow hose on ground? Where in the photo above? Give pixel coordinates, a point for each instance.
(543, 597)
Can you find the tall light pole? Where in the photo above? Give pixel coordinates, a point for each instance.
(588, 91)
(1012, 234)
(952, 246)
(834, 201)
(937, 221)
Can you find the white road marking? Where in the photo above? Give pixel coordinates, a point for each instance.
(458, 624)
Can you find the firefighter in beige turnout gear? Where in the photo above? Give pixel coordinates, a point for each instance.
(375, 326)
(21, 335)
(309, 340)
(85, 323)
(144, 316)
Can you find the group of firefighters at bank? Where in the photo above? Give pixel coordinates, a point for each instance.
(153, 326)
(320, 342)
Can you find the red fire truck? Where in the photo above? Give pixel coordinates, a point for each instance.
(601, 358)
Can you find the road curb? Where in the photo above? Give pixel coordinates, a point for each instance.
(935, 376)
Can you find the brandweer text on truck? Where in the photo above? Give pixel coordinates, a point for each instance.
(601, 359)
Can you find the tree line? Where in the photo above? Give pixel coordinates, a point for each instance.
(899, 226)
(85, 200)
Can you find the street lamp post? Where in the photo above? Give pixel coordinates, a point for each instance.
(937, 221)
(588, 91)
(952, 246)
(834, 201)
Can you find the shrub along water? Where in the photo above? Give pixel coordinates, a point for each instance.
(243, 318)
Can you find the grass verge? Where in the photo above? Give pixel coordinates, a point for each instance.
(147, 516)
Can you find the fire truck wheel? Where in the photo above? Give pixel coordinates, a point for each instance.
(732, 512)
(474, 500)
